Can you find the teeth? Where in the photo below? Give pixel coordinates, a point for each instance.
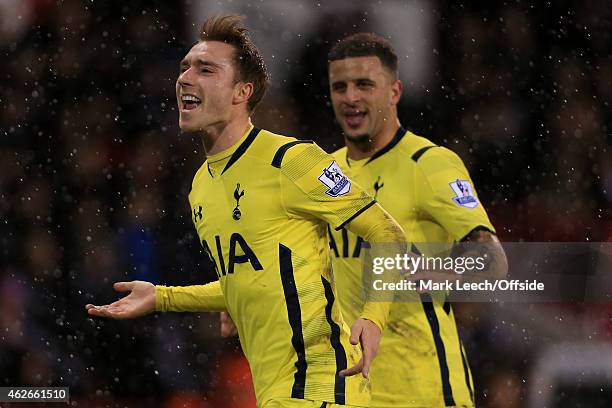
(190, 98)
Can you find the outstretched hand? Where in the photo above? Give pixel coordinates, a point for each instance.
(140, 301)
(366, 333)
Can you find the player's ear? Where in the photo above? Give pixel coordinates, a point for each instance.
(242, 92)
(396, 91)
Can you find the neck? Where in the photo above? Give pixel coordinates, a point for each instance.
(222, 136)
(358, 150)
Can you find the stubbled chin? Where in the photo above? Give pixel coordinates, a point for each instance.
(355, 130)
(357, 137)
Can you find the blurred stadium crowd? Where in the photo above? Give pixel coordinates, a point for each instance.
(94, 178)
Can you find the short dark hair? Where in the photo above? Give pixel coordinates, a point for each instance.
(366, 45)
(249, 64)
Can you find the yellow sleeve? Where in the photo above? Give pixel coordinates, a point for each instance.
(446, 193)
(195, 298)
(313, 185)
(377, 226)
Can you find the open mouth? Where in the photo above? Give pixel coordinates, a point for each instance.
(355, 118)
(190, 102)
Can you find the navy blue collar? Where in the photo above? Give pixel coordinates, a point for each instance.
(396, 138)
(242, 148)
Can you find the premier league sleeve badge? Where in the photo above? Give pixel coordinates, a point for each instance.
(464, 194)
(335, 180)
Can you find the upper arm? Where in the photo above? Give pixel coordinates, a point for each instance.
(447, 194)
(314, 185)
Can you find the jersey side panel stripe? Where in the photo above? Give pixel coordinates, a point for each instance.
(340, 383)
(294, 313)
(432, 319)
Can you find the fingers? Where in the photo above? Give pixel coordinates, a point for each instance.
(99, 311)
(368, 357)
(93, 309)
(123, 286)
(112, 311)
(228, 328)
(357, 337)
(123, 308)
(356, 331)
(356, 369)
(368, 334)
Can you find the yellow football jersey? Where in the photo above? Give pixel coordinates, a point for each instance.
(261, 210)
(427, 189)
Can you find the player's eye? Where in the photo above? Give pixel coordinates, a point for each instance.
(339, 87)
(365, 84)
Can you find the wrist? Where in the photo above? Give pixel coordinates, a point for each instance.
(372, 321)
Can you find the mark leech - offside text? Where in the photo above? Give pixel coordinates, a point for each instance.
(486, 285)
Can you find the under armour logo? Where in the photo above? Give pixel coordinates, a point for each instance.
(236, 214)
(197, 214)
(377, 186)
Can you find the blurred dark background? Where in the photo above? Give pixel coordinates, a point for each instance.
(94, 177)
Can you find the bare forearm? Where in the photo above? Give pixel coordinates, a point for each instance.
(486, 244)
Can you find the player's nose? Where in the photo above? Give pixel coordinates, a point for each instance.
(352, 94)
(185, 77)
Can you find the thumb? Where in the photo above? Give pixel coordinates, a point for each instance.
(123, 286)
(356, 333)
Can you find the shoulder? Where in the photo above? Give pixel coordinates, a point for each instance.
(427, 155)
(414, 146)
(267, 144)
(273, 140)
(298, 153)
(277, 149)
(298, 159)
(440, 159)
